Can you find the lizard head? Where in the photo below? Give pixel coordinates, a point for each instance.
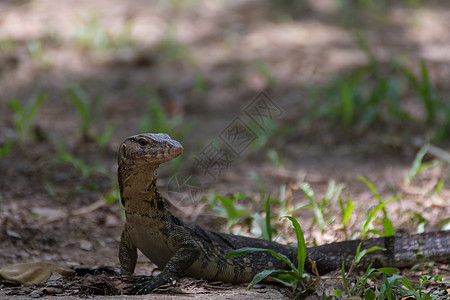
(149, 148)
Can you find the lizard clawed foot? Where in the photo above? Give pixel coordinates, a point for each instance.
(147, 285)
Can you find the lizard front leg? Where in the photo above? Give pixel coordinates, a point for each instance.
(185, 255)
(127, 254)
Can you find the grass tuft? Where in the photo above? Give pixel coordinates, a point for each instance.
(24, 115)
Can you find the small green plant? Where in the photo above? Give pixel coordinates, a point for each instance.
(261, 186)
(418, 290)
(359, 287)
(50, 188)
(267, 230)
(275, 158)
(6, 148)
(156, 119)
(85, 108)
(200, 83)
(88, 111)
(374, 93)
(8, 44)
(424, 89)
(84, 168)
(437, 111)
(388, 228)
(94, 35)
(271, 130)
(346, 212)
(391, 286)
(103, 138)
(287, 207)
(418, 166)
(318, 213)
(172, 50)
(421, 222)
(319, 209)
(263, 70)
(294, 277)
(359, 255)
(287, 9)
(90, 35)
(442, 131)
(24, 115)
(445, 224)
(227, 207)
(37, 52)
(364, 97)
(181, 4)
(114, 194)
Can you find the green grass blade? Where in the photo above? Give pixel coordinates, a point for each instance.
(16, 106)
(80, 100)
(388, 270)
(286, 278)
(347, 104)
(371, 187)
(417, 162)
(344, 279)
(19, 117)
(6, 148)
(262, 225)
(411, 77)
(346, 210)
(362, 44)
(388, 228)
(261, 186)
(35, 103)
(301, 245)
(230, 207)
(285, 259)
(360, 254)
(369, 294)
(407, 283)
(159, 117)
(426, 93)
(306, 188)
(260, 276)
(247, 250)
(297, 207)
(373, 213)
(242, 251)
(269, 228)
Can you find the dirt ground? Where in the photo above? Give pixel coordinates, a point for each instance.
(205, 62)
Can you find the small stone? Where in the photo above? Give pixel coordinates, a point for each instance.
(85, 245)
(13, 234)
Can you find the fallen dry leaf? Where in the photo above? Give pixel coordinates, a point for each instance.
(32, 273)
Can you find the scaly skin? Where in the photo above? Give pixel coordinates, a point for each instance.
(182, 249)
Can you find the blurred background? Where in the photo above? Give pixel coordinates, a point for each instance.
(350, 88)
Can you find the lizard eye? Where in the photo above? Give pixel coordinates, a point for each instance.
(143, 142)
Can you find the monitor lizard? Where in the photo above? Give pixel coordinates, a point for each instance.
(183, 249)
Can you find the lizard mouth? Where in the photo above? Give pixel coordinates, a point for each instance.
(177, 151)
(160, 155)
(168, 153)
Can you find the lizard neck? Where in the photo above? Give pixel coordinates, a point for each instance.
(138, 190)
